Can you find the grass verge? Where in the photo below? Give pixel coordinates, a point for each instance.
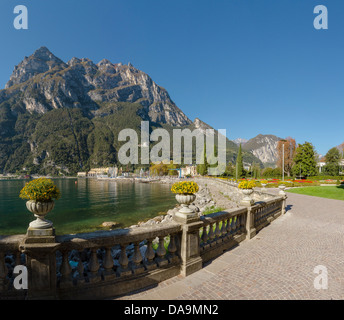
(336, 193)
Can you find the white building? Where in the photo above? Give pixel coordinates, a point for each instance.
(322, 163)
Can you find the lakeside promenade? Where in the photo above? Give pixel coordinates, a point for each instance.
(277, 264)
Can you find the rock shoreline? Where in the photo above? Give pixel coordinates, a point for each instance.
(210, 195)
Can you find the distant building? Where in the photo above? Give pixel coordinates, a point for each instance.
(189, 170)
(247, 166)
(322, 162)
(100, 172)
(82, 174)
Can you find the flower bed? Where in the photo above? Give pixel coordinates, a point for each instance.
(274, 183)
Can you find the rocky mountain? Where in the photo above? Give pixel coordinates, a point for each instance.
(45, 83)
(263, 147)
(63, 117)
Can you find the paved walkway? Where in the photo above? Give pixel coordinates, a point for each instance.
(277, 264)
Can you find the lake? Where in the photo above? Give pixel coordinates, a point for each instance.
(85, 205)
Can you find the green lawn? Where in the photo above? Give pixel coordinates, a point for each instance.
(323, 192)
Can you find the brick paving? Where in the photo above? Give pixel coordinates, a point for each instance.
(277, 264)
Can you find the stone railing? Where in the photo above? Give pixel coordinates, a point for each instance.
(106, 264)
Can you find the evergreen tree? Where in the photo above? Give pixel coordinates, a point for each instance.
(305, 163)
(202, 169)
(240, 172)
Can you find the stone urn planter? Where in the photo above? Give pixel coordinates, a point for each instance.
(40, 194)
(282, 188)
(40, 210)
(185, 214)
(246, 188)
(185, 195)
(247, 192)
(185, 200)
(247, 199)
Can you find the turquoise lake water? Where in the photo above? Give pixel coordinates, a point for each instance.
(85, 205)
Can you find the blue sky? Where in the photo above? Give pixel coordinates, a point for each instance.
(246, 66)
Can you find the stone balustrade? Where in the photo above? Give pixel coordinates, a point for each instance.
(104, 264)
(109, 262)
(221, 231)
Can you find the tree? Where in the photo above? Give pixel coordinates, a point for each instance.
(240, 172)
(289, 153)
(332, 167)
(158, 169)
(304, 160)
(230, 170)
(171, 169)
(271, 172)
(202, 168)
(255, 170)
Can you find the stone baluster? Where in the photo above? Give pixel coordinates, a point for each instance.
(160, 252)
(172, 249)
(224, 229)
(229, 228)
(3, 272)
(94, 267)
(80, 269)
(205, 237)
(237, 224)
(211, 233)
(137, 265)
(261, 214)
(242, 223)
(233, 226)
(218, 232)
(149, 256)
(264, 213)
(256, 217)
(108, 264)
(17, 258)
(123, 269)
(66, 271)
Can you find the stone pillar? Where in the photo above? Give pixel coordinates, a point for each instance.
(284, 203)
(190, 243)
(284, 195)
(40, 249)
(250, 229)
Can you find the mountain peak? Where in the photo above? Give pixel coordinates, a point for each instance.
(40, 61)
(264, 147)
(42, 52)
(104, 62)
(239, 141)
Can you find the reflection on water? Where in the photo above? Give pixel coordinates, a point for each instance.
(85, 205)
